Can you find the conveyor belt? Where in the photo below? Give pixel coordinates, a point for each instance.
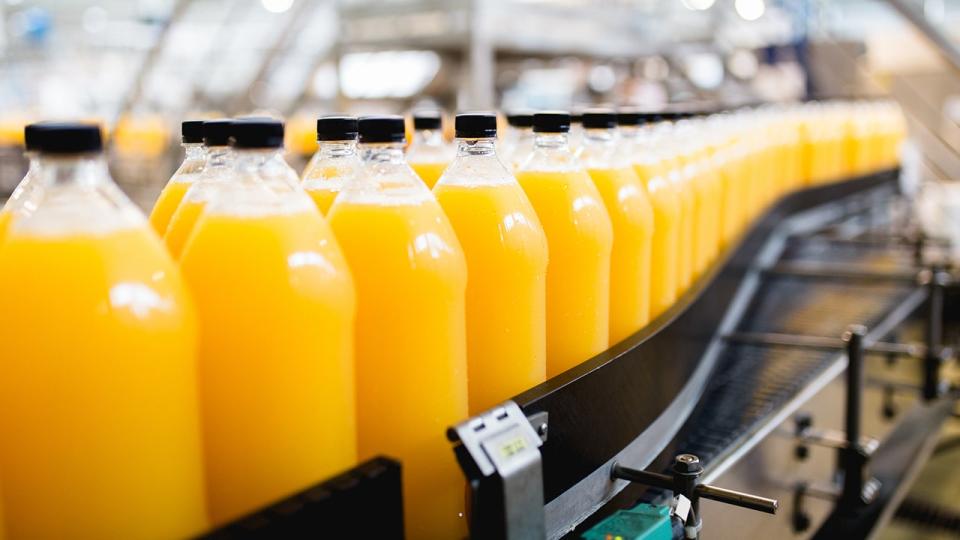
(751, 382)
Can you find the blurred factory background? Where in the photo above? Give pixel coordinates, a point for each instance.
(141, 66)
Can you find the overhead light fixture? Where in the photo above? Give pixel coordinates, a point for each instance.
(750, 10)
(698, 5)
(276, 6)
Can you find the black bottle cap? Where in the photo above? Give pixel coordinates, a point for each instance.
(381, 129)
(31, 137)
(66, 138)
(476, 125)
(673, 116)
(629, 116)
(599, 119)
(217, 132)
(520, 119)
(337, 128)
(551, 122)
(257, 132)
(427, 120)
(191, 131)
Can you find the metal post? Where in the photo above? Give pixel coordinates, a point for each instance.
(686, 478)
(934, 337)
(852, 457)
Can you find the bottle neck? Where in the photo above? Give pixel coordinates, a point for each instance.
(599, 137)
(337, 149)
(558, 142)
(598, 148)
(253, 158)
(382, 153)
(194, 151)
(85, 169)
(477, 147)
(428, 137)
(219, 156)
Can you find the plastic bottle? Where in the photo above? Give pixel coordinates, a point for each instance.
(673, 153)
(276, 307)
(520, 145)
(19, 202)
(640, 146)
(580, 240)
(575, 137)
(98, 390)
(631, 213)
(411, 276)
(428, 154)
(336, 161)
(506, 252)
(191, 132)
(217, 171)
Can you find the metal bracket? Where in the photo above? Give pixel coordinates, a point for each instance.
(499, 452)
(685, 480)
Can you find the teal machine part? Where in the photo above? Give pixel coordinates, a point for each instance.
(643, 522)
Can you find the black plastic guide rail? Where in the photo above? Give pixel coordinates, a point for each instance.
(364, 502)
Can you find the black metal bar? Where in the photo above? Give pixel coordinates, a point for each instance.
(881, 240)
(934, 336)
(852, 457)
(834, 271)
(647, 478)
(737, 498)
(823, 343)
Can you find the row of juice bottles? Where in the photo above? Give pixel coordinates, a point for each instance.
(161, 377)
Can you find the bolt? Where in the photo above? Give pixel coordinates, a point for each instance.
(687, 463)
(542, 430)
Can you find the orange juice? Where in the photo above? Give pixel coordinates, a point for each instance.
(651, 168)
(429, 172)
(506, 254)
(276, 308)
(276, 304)
(182, 224)
(5, 218)
(411, 279)
(335, 162)
(683, 187)
(665, 251)
(217, 173)
(429, 154)
(98, 404)
(410, 345)
(709, 193)
(183, 178)
(167, 203)
(322, 197)
(632, 216)
(580, 242)
(118, 452)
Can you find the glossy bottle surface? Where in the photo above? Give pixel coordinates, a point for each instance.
(632, 217)
(506, 254)
(411, 367)
(276, 308)
(580, 241)
(218, 170)
(335, 163)
(665, 243)
(102, 323)
(176, 188)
